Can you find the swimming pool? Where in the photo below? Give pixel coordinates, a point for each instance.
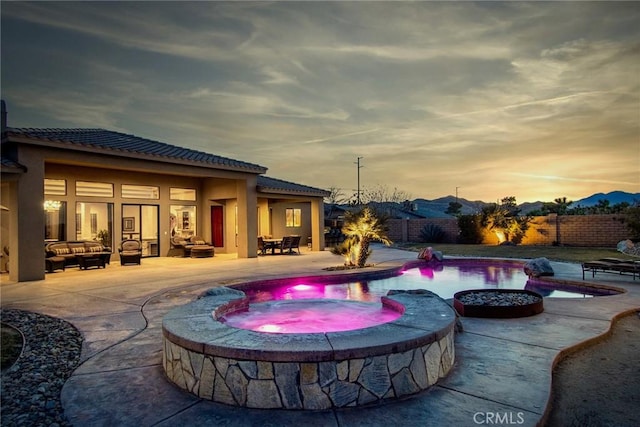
(444, 279)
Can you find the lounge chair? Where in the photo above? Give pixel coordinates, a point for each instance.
(199, 248)
(130, 252)
(197, 240)
(612, 265)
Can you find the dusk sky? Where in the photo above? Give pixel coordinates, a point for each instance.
(532, 100)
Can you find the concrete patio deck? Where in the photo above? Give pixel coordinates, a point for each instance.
(503, 367)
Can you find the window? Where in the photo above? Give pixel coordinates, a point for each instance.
(182, 221)
(293, 217)
(55, 220)
(94, 221)
(140, 192)
(55, 187)
(94, 189)
(187, 194)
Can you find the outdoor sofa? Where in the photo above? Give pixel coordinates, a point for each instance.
(82, 253)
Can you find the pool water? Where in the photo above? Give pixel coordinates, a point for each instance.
(306, 316)
(444, 280)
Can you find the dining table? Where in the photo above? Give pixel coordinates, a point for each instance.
(272, 244)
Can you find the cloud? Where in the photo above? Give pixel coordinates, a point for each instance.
(564, 178)
(486, 96)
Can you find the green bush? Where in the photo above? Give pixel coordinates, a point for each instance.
(632, 220)
(432, 233)
(470, 229)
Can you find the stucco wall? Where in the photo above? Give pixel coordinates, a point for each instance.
(279, 227)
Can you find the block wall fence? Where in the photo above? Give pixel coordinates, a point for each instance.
(570, 230)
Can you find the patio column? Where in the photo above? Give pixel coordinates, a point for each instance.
(317, 224)
(247, 217)
(26, 241)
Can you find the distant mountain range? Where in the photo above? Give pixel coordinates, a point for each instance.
(436, 208)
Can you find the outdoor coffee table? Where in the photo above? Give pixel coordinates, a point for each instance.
(90, 260)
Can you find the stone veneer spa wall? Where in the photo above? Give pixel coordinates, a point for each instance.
(308, 371)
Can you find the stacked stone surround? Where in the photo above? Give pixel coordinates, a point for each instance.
(308, 371)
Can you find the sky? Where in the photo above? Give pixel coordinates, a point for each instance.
(489, 99)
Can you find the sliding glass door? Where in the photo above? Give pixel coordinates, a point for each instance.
(141, 222)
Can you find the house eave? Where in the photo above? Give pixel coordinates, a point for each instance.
(281, 192)
(93, 149)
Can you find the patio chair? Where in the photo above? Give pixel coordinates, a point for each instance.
(285, 245)
(262, 249)
(295, 244)
(130, 252)
(289, 243)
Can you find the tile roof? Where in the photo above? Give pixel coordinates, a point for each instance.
(130, 145)
(9, 165)
(273, 185)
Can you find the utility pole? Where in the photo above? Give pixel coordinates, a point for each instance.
(358, 190)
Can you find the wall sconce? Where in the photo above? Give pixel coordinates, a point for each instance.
(52, 205)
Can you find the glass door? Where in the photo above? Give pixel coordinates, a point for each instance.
(141, 222)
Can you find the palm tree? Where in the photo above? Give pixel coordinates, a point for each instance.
(503, 220)
(364, 227)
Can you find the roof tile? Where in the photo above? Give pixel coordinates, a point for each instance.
(124, 143)
(266, 183)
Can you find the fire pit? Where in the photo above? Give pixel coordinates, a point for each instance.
(498, 303)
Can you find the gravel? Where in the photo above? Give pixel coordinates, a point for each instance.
(31, 387)
(498, 299)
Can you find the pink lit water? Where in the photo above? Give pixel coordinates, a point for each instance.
(280, 314)
(310, 316)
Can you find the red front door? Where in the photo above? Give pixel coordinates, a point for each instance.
(217, 229)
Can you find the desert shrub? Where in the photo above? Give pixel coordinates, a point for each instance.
(470, 229)
(432, 233)
(632, 220)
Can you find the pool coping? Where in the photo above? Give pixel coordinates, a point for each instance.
(426, 318)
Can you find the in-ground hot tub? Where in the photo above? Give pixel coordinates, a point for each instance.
(312, 371)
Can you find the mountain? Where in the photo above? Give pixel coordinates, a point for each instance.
(527, 207)
(614, 198)
(436, 208)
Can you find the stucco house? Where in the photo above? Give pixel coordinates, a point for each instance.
(95, 184)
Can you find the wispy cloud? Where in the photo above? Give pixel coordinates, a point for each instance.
(333, 137)
(532, 99)
(580, 180)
